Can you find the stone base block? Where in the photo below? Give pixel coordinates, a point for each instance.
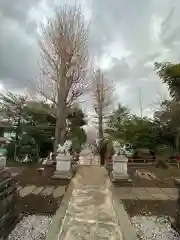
(117, 177)
(62, 175)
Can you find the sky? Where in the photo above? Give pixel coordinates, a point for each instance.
(126, 36)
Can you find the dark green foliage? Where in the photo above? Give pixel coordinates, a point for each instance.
(170, 75)
(33, 124)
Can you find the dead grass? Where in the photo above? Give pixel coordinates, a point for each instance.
(164, 177)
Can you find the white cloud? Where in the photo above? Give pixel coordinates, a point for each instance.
(126, 38)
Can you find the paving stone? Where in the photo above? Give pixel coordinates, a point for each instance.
(90, 213)
(173, 197)
(172, 193)
(59, 191)
(47, 190)
(160, 196)
(37, 190)
(169, 190)
(142, 194)
(26, 190)
(155, 190)
(125, 193)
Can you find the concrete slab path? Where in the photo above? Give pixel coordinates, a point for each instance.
(122, 192)
(147, 193)
(57, 192)
(90, 214)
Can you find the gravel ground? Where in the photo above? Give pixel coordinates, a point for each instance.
(31, 176)
(154, 228)
(32, 227)
(150, 207)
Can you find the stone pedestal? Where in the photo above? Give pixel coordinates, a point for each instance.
(63, 167)
(176, 221)
(2, 161)
(119, 172)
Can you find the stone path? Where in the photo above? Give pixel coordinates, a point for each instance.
(122, 192)
(44, 191)
(147, 193)
(89, 160)
(90, 214)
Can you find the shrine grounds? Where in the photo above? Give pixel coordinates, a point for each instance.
(41, 195)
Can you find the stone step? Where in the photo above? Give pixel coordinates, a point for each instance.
(37, 190)
(47, 191)
(59, 191)
(26, 190)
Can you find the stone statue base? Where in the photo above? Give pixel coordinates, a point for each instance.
(62, 175)
(120, 177)
(63, 167)
(119, 173)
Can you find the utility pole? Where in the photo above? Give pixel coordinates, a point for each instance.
(140, 102)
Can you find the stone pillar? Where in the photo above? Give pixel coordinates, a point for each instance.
(176, 221)
(63, 167)
(119, 172)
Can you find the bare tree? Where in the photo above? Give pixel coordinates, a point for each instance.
(64, 62)
(102, 96)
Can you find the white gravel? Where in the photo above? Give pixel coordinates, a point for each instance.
(154, 228)
(32, 227)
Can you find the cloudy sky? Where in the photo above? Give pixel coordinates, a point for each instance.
(127, 36)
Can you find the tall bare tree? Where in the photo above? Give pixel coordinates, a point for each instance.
(64, 62)
(102, 96)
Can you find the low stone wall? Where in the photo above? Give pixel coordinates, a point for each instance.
(8, 210)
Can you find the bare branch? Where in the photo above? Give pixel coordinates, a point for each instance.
(102, 93)
(64, 58)
(102, 96)
(64, 54)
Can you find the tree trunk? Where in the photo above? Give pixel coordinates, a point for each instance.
(102, 151)
(17, 132)
(60, 127)
(100, 127)
(61, 109)
(177, 141)
(37, 152)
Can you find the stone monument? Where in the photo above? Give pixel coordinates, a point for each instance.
(63, 161)
(176, 221)
(119, 172)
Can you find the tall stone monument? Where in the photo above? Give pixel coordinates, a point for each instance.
(63, 161)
